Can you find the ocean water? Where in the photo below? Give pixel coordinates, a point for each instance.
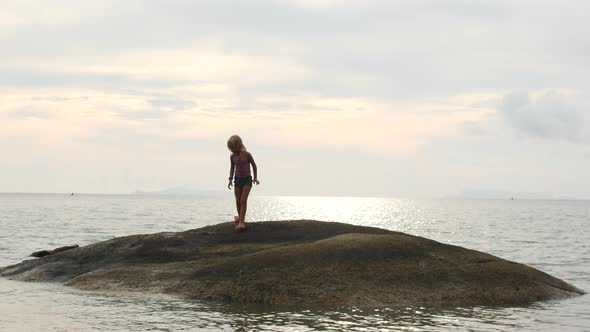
(552, 236)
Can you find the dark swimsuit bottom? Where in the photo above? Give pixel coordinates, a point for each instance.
(240, 182)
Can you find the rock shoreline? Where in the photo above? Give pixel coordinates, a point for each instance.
(302, 262)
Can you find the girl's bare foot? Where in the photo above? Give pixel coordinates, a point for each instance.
(237, 219)
(241, 226)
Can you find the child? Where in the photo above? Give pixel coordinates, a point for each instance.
(240, 161)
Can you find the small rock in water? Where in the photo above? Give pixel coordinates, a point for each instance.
(44, 253)
(40, 253)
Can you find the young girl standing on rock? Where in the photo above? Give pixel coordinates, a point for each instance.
(240, 161)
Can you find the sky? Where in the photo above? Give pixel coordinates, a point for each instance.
(340, 98)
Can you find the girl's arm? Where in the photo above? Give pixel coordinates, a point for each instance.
(231, 172)
(254, 168)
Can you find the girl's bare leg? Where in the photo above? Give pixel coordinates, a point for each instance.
(238, 194)
(243, 207)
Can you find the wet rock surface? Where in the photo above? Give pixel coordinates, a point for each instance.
(301, 262)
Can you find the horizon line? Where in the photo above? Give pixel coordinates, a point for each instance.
(204, 193)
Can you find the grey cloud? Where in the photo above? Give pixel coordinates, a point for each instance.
(33, 111)
(160, 108)
(147, 114)
(547, 116)
(175, 104)
(52, 98)
(37, 78)
(283, 105)
(380, 49)
(474, 129)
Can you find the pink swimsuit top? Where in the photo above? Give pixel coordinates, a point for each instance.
(242, 165)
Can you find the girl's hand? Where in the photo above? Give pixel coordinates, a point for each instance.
(256, 181)
(229, 185)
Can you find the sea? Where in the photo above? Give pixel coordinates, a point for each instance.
(550, 235)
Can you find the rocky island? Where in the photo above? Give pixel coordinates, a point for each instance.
(301, 262)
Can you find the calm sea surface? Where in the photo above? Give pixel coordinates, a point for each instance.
(553, 236)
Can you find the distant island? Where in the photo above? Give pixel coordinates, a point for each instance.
(502, 194)
(181, 191)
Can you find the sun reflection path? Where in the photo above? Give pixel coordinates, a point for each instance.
(389, 213)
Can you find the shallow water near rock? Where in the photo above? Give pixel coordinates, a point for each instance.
(549, 235)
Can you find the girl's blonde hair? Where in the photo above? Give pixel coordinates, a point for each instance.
(235, 141)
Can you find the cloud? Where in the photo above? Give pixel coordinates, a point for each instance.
(378, 78)
(379, 49)
(547, 114)
(29, 112)
(388, 129)
(174, 104)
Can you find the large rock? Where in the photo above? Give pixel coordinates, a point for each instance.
(297, 262)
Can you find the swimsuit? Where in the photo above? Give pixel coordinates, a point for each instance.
(242, 175)
(241, 182)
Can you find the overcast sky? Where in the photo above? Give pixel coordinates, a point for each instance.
(350, 98)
